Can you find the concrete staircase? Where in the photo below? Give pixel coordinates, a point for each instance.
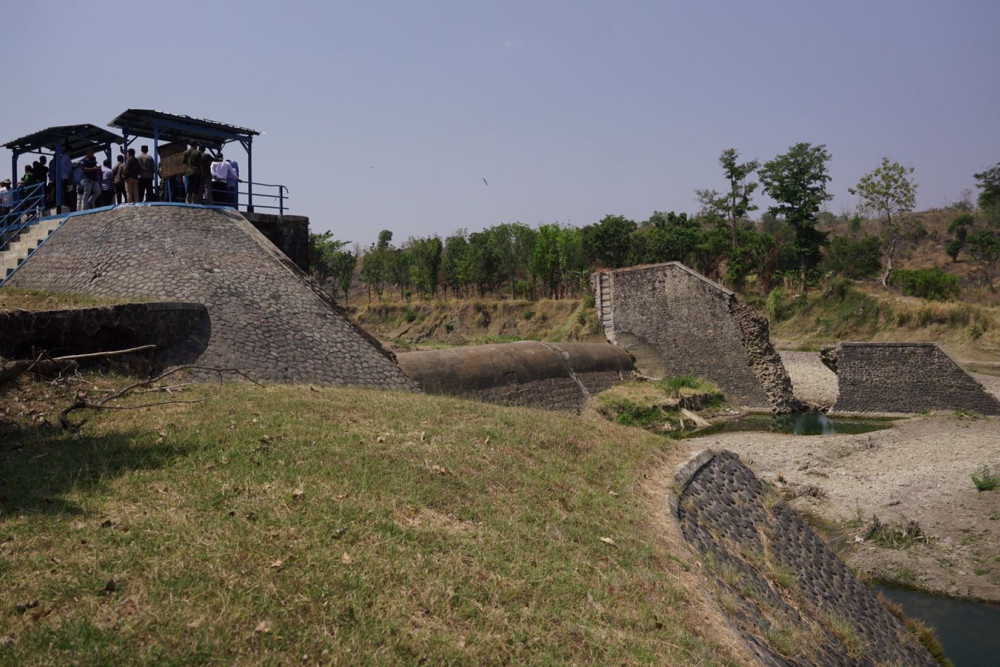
(604, 309)
(30, 238)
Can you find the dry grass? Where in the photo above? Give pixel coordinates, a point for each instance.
(12, 298)
(268, 525)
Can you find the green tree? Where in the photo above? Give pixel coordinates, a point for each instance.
(983, 245)
(989, 197)
(854, 258)
(425, 264)
(376, 265)
(545, 258)
(888, 191)
(959, 229)
(331, 263)
(454, 265)
(797, 182)
(609, 242)
(740, 189)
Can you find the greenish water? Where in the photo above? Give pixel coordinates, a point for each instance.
(969, 631)
(801, 423)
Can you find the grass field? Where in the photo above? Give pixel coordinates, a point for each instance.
(294, 524)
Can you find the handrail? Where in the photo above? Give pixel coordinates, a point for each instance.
(281, 195)
(25, 207)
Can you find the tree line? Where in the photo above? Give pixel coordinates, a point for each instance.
(720, 240)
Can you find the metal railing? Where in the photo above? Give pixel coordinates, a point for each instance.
(20, 207)
(276, 195)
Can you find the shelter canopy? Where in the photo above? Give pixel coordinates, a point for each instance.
(170, 127)
(76, 140)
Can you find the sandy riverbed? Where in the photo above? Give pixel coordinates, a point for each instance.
(918, 470)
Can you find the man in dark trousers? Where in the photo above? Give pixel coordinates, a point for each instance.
(192, 175)
(147, 169)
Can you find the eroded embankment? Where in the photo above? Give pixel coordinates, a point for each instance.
(790, 597)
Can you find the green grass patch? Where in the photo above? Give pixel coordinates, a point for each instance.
(266, 525)
(986, 479)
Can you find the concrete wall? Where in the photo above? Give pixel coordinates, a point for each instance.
(775, 578)
(904, 377)
(288, 233)
(178, 330)
(552, 376)
(266, 317)
(677, 322)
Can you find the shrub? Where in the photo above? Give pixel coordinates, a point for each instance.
(927, 283)
(776, 306)
(853, 258)
(986, 479)
(410, 315)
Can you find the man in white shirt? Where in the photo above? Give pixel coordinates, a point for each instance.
(221, 172)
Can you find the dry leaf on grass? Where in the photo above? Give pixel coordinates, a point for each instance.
(263, 627)
(608, 540)
(346, 559)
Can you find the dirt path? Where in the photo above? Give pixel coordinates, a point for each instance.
(918, 471)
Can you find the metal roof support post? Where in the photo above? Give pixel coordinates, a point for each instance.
(249, 146)
(156, 160)
(58, 167)
(13, 169)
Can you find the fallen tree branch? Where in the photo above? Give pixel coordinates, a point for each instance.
(109, 353)
(82, 400)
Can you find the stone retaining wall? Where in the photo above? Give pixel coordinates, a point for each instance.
(677, 322)
(288, 233)
(904, 378)
(552, 376)
(267, 318)
(790, 597)
(178, 330)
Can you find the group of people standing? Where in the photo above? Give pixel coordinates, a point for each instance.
(208, 179)
(88, 184)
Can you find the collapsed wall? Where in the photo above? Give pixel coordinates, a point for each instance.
(552, 376)
(782, 588)
(904, 378)
(266, 318)
(677, 322)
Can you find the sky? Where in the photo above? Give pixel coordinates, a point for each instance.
(429, 117)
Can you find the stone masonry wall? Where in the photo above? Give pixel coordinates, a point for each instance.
(904, 377)
(288, 233)
(178, 330)
(266, 317)
(695, 327)
(551, 376)
(783, 589)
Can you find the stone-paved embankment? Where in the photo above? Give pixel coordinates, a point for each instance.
(266, 317)
(552, 376)
(790, 597)
(903, 377)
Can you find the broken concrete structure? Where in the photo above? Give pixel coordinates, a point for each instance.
(678, 322)
(545, 375)
(903, 378)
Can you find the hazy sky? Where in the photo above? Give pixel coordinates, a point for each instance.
(389, 115)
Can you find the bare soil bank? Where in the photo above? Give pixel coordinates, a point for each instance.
(918, 471)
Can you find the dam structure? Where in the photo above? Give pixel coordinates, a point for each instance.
(265, 317)
(676, 322)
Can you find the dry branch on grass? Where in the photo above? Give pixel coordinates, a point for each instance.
(82, 400)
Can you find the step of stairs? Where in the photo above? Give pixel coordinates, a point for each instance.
(29, 239)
